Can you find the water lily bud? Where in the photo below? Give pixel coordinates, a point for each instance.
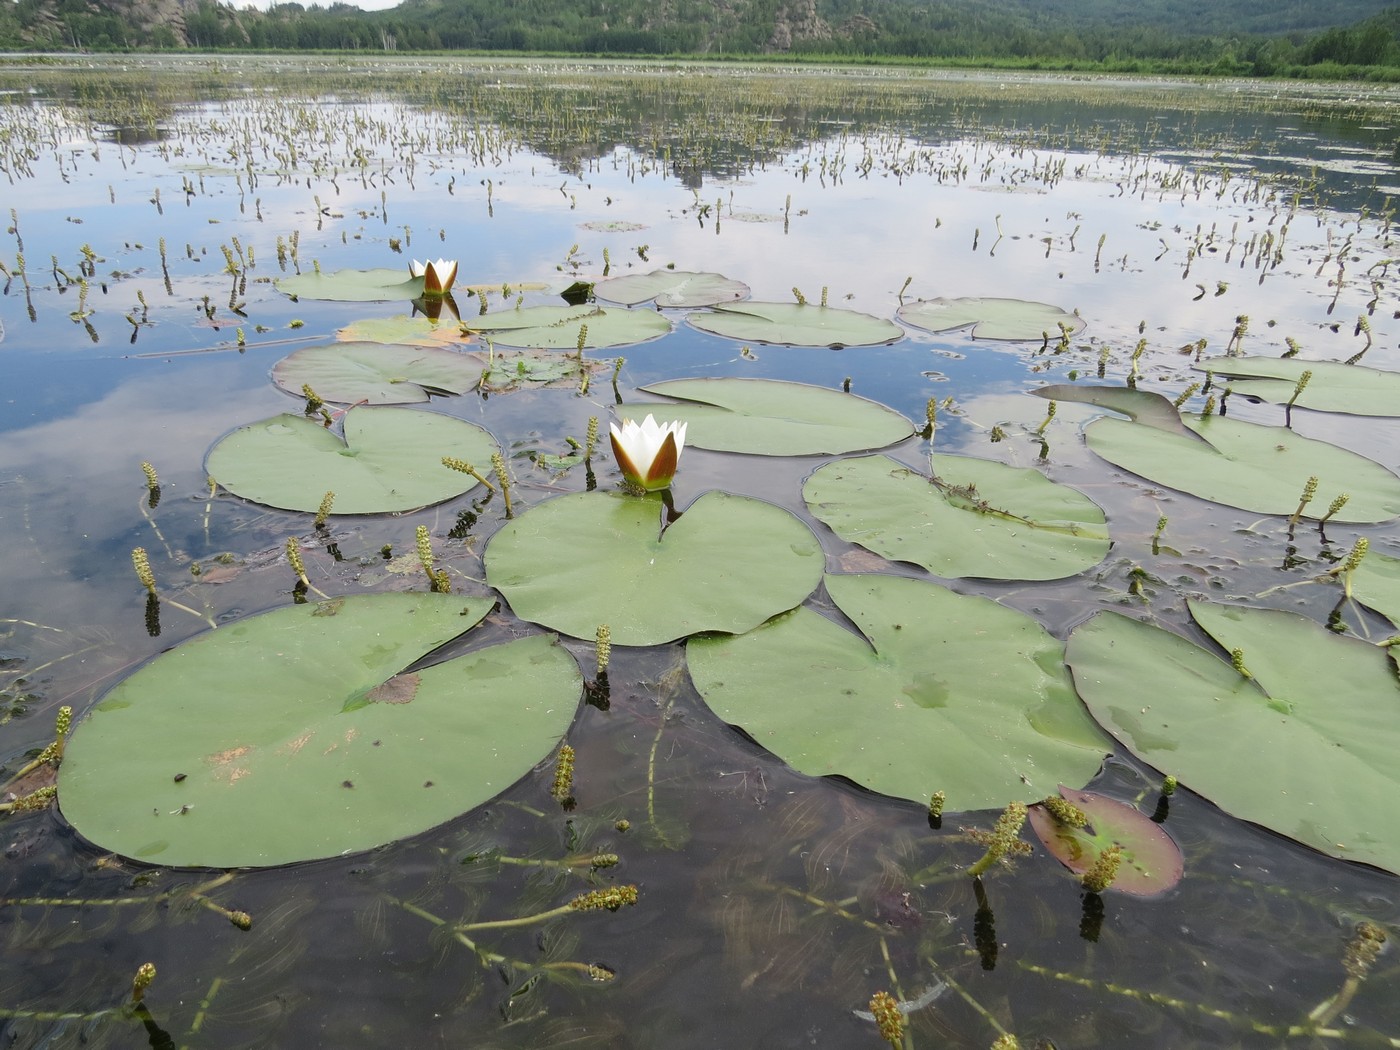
(648, 452)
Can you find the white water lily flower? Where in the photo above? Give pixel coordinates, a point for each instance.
(437, 275)
(648, 451)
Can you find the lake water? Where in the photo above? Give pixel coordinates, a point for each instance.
(147, 201)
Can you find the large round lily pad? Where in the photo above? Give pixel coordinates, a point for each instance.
(389, 460)
(297, 734)
(352, 286)
(796, 324)
(1305, 747)
(726, 564)
(1246, 465)
(378, 373)
(990, 318)
(772, 418)
(671, 288)
(944, 692)
(1332, 387)
(974, 518)
(558, 327)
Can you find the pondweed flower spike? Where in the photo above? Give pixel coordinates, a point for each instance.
(295, 561)
(1157, 533)
(935, 805)
(612, 898)
(144, 976)
(563, 788)
(797, 294)
(1237, 662)
(1049, 415)
(1185, 395)
(498, 464)
(602, 645)
(152, 481)
(1169, 785)
(1303, 380)
(1003, 838)
(1100, 877)
(1309, 491)
(142, 563)
(1349, 567)
(591, 442)
(1357, 960)
(888, 1019)
(324, 510)
(1006, 1041)
(453, 463)
(1065, 812)
(313, 400)
(1337, 504)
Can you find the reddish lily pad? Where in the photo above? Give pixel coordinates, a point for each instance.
(1152, 862)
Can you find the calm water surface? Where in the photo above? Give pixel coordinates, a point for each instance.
(772, 905)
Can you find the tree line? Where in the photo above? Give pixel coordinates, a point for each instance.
(941, 31)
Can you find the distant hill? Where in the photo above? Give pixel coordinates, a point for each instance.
(1223, 36)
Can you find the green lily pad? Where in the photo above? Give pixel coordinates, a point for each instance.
(379, 373)
(352, 286)
(298, 734)
(1141, 406)
(944, 692)
(404, 329)
(1333, 387)
(1246, 465)
(977, 518)
(726, 564)
(672, 288)
(796, 324)
(389, 460)
(1305, 747)
(1151, 862)
(990, 318)
(1376, 583)
(772, 418)
(557, 327)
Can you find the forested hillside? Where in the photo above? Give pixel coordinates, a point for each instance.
(1242, 37)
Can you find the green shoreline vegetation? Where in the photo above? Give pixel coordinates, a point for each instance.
(1237, 38)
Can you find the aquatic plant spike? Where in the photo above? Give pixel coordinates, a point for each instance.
(767, 417)
(727, 563)
(299, 734)
(438, 275)
(1152, 863)
(648, 452)
(1319, 713)
(937, 689)
(974, 518)
(389, 460)
(1009, 319)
